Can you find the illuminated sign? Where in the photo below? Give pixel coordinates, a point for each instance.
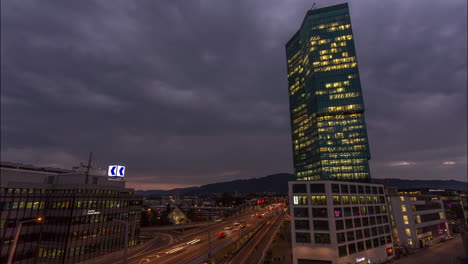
(436, 190)
(360, 259)
(91, 212)
(116, 171)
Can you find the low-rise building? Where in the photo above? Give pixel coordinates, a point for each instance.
(78, 211)
(417, 219)
(339, 222)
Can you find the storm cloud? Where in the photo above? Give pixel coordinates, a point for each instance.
(193, 92)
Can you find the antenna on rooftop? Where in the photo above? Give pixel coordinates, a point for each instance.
(312, 7)
(89, 166)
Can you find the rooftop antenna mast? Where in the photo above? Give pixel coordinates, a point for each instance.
(312, 7)
(89, 166)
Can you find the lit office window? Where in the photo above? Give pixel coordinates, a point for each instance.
(403, 208)
(408, 232)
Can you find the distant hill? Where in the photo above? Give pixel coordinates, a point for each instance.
(278, 183)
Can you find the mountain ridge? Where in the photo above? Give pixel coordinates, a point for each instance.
(278, 183)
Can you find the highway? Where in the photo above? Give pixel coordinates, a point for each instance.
(190, 246)
(254, 250)
(197, 251)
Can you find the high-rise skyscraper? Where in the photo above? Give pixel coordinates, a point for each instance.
(327, 110)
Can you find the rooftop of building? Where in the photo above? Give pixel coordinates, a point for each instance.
(29, 167)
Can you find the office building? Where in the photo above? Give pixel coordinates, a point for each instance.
(329, 134)
(339, 222)
(417, 219)
(78, 216)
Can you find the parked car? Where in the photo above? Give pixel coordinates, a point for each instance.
(228, 228)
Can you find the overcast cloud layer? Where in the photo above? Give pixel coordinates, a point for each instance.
(194, 92)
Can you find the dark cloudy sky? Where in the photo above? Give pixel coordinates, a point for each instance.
(193, 92)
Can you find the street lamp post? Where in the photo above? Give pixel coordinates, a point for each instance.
(125, 223)
(17, 234)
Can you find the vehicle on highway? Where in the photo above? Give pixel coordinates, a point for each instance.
(175, 250)
(228, 228)
(221, 235)
(218, 220)
(242, 226)
(196, 240)
(236, 223)
(259, 216)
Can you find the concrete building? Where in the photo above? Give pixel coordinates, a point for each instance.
(78, 211)
(417, 219)
(339, 222)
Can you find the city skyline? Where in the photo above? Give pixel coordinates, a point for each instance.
(142, 86)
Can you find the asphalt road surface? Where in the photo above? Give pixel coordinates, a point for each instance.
(441, 253)
(178, 250)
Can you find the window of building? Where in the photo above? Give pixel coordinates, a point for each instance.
(379, 219)
(347, 211)
(374, 231)
(405, 219)
(318, 200)
(335, 188)
(338, 212)
(376, 242)
(340, 238)
(367, 189)
(408, 232)
(441, 215)
(383, 209)
(350, 236)
(320, 225)
(402, 198)
(369, 244)
(356, 211)
(300, 200)
(403, 208)
(317, 188)
(352, 248)
(359, 234)
(363, 210)
(302, 237)
(301, 212)
(345, 199)
(344, 188)
(354, 199)
(336, 199)
(357, 222)
(371, 210)
(377, 209)
(339, 225)
(410, 241)
(319, 212)
(342, 251)
(299, 188)
(360, 189)
(349, 223)
(322, 238)
(382, 240)
(365, 221)
(360, 246)
(302, 224)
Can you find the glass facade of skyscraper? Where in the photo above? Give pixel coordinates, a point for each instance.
(327, 111)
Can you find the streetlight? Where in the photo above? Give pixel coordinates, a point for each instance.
(38, 219)
(125, 223)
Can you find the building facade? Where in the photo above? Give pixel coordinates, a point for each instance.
(326, 105)
(78, 218)
(417, 219)
(339, 222)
